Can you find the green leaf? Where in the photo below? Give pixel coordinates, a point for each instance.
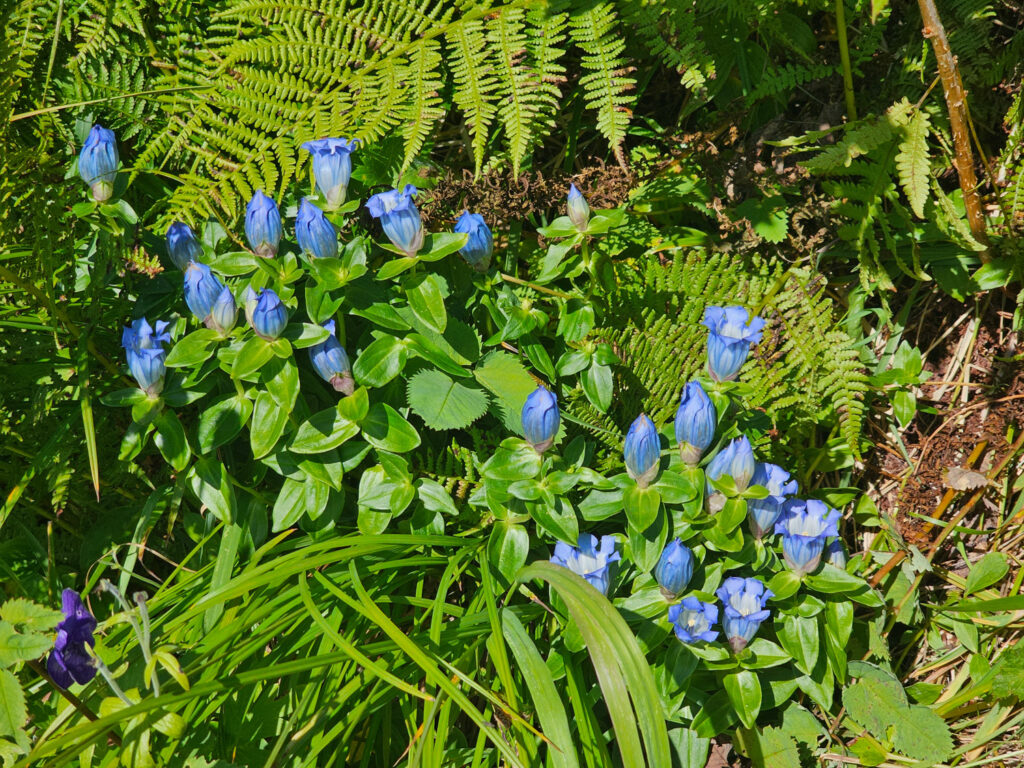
(17, 647)
(799, 636)
(212, 486)
(13, 712)
(514, 459)
(505, 377)
(626, 680)
(772, 748)
(281, 378)
(441, 244)
(290, 504)
(396, 267)
(171, 442)
(835, 580)
(987, 571)
(322, 431)
(597, 385)
(232, 264)
(380, 362)
(784, 584)
(426, 300)
(641, 505)
(912, 161)
(921, 734)
(193, 349)
(744, 691)
(222, 421)
(443, 403)
(387, 430)
(268, 423)
(507, 547)
(20, 611)
(876, 702)
(1008, 674)
(302, 335)
(253, 355)
(768, 217)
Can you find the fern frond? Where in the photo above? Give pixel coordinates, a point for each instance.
(475, 83)
(424, 109)
(912, 161)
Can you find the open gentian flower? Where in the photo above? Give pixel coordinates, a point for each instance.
(804, 527)
(314, 233)
(97, 162)
(642, 450)
(578, 208)
(730, 339)
(696, 419)
(541, 418)
(182, 245)
(674, 569)
(331, 361)
(744, 601)
(586, 560)
(478, 248)
(269, 317)
(763, 513)
(69, 661)
(736, 460)
(332, 167)
(202, 289)
(399, 218)
(692, 620)
(146, 355)
(263, 225)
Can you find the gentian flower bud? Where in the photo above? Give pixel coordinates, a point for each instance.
(835, 554)
(223, 312)
(314, 233)
(730, 339)
(478, 248)
(202, 288)
(399, 218)
(804, 527)
(146, 355)
(695, 423)
(642, 450)
(97, 162)
(579, 208)
(69, 662)
(587, 560)
(182, 245)
(249, 300)
(541, 418)
(674, 569)
(736, 460)
(692, 620)
(331, 362)
(763, 513)
(332, 168)
(744, 601)
(263, 225)
(270, 317)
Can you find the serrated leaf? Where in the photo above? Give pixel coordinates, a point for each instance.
(13, 712)
(508, 380)
(23, 612)
(1008, 674)
(876, 703)
(920, 733)
(443, 403)
(16, 647)
(912, 161)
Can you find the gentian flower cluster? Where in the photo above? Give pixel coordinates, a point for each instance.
(764, 512)
(804, 526)
(744, 601)
(69, 661)
(143, 345)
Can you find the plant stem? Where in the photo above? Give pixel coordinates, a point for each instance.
(844, 58)
(73, 700)
(956, 105)
(534, 286)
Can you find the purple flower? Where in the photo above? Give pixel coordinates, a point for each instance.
(263, 225)
(692, 620)
(744, 601)
(730, 339)
(804, 527)
(97, 162)
(182, 245)
(331, 361)
(540, 418)
(587, 560)
(736, 460)
(763, 513)
(69, 661)
(696, 420)
(478, 248)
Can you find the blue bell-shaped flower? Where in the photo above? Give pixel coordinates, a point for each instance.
(263, 225)
(332, 168)
(478, 248)
(314, 233)
(97, 162)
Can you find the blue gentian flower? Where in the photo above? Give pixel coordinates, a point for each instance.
(182, 245)
(763, 513)
(696, 420)
(97, 162)
(146, 355)
(736, 460)
(804, 527)
(331, 362)
(202, 289)
(578, 208)
(730, 339)
(674, 569)
(744, 601)
(692, 620)
(399, 218)
(540, 418)
(642, 450)
(332, 167)
(263, 225)
(478, 248)
(69, 661)
(223, 312)
(835, 553)
(269, 317)
(314, 233)
(249, 300)
(587, 560)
